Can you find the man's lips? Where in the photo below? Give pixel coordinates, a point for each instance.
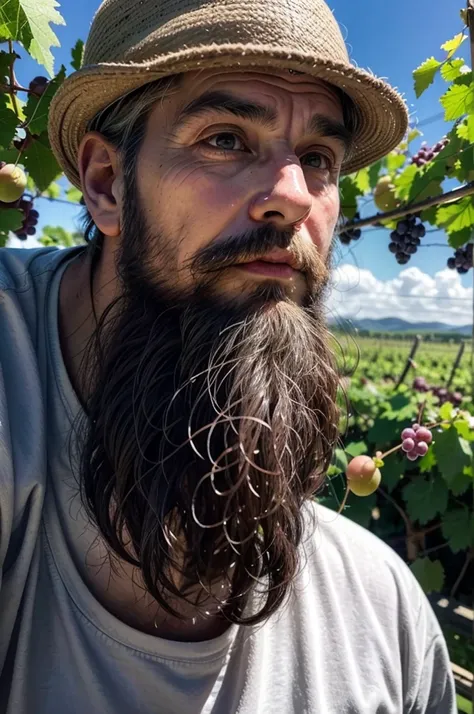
(278, 264)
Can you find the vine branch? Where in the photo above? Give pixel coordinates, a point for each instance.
(13, 80)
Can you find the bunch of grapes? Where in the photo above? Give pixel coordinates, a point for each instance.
(415, 441)
(405, 239)
(30, 220)
(39, 85)
(444, 395)
(426, 154)
(353, 234)
(462, 260)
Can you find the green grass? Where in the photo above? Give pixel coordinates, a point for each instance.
(464, 705)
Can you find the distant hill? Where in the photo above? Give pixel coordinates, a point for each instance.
(395, 324)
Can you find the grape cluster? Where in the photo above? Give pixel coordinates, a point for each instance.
(353, 234)
(444, 395)
(415, 440)
(38, 86)
(426, 154)
(462, 260)
(405, 239)
(30, 220)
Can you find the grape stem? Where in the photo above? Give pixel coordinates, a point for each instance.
(12, 84)
(342, 506)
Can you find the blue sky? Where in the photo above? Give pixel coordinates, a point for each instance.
(390, 39)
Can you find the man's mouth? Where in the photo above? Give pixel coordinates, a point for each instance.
(279, 264)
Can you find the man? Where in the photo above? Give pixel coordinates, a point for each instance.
(168, 392)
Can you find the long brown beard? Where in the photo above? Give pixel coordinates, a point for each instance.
(210, 422)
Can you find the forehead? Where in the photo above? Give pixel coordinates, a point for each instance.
(266, 83)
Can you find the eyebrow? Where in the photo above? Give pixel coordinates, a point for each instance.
(226, 103)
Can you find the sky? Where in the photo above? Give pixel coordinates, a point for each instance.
(389, 39)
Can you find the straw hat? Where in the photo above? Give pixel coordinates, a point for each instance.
(133, 42)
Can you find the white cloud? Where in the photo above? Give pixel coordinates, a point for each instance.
(413, 296)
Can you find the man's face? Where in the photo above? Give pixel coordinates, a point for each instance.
(232, 151)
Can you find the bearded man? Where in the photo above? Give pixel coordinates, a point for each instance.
(168, 391)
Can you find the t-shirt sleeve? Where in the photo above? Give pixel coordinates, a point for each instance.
(433, 690)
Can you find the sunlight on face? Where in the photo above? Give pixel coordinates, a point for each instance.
(231, 152)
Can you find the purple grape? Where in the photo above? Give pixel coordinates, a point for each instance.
(402, 228)
(408, 445)
(424, 434)
(421, 448)
(412, 455)
(393, 247)
(451, 263)
(408, 434)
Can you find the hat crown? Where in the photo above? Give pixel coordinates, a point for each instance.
(134, 31)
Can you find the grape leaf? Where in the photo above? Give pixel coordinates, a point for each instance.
(464, 430)
(458, 100)
(428, 461)
(73, 194)
(413, 134)
(395, 161)
(460, 238)
(427, 182)
(8, 124)
(456, 216)
(349, 192)
(28, 22)
(10, 220)
(451, 46)
(361, 180)
(374, 172)
(403, 182)
(53, 191)
(429, 573)
(356, 448)
(453, 453)
(457, 528)
(6, 60)
(40, 162)
(77, 53)
(465, 130)
(452, 70)
(425, 499)
(446, 412)
(360, 509)
(392, 472)
(460, 483)
(424, 75)
(37, 108)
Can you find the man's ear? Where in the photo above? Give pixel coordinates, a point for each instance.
(101, 181)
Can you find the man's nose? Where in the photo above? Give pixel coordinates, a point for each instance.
(286, 203)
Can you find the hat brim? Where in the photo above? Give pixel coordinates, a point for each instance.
(382, 121)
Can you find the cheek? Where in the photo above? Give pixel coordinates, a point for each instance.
(323, 220)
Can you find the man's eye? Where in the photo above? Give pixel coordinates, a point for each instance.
(317, 161)
(226, 141)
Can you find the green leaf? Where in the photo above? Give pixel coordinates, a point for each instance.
(464, 430)
(374, 172)
(428, 462)
(460, 483)
(457, 528)
(77, 53)
(425, 498)
(413, 134)
(349, 192)
(6, 60)
(458, 101)
(404, 181)
(361, 180)
(8, 124)
(73, 194)
(456, 216)
(451, 46)
(340, 460)
(465, 130)
(446, 412)
(356, 448)
(59, 236)
(10, 220)
(37, 108)
(427, 182)
(429, 573)
(28, 22)
(53, 191)
(395, 161)
(424, 75)
(452, 70)
(393, 471)
(453, 453)
(460, 238)
(40, 162)
(360, 510)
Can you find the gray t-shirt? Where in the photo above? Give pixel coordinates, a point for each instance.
(357, 636)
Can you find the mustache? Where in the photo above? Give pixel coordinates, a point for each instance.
(255, 244)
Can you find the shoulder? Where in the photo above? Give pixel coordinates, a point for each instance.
(340, 550)
(18, 265)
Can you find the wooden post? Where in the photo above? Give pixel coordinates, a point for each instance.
(409, 362)
(456, 364)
